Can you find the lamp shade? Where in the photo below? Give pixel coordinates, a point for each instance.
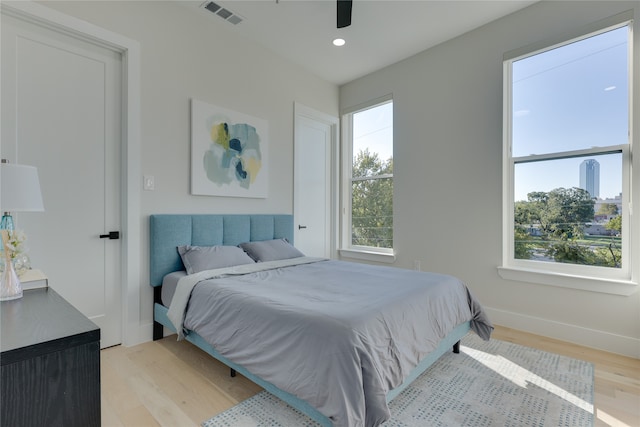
(20, 189)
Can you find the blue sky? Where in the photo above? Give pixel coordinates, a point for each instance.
(373, 129)
(571, 98)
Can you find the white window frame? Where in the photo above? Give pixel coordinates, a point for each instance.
(347, 249)
(623, 281)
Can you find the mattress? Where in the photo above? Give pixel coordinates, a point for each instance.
(169, 284)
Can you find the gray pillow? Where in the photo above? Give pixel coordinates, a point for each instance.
(271, 250)
(201, 258)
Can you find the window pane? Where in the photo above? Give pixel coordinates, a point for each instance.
(569, 210)
(572, 97)
(372, 139)
(372, 213)
(566, 173)
(372, 177)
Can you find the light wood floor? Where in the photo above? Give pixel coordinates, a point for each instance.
(175, 384)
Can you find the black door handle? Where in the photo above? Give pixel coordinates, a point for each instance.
(300, 227)
(113, 235)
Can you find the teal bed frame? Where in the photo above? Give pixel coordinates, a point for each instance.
(168, 231)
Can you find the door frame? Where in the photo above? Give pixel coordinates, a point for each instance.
(299, 111)
(132, 332)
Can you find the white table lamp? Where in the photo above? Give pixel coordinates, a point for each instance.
(20, 192)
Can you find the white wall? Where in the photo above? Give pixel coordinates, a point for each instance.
(188, 54)
(448, 173)
(448, 129)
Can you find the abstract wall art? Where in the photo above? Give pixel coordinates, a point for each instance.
(228, 152)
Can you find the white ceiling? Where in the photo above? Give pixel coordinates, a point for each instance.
(382, 32)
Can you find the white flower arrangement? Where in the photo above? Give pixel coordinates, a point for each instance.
(17, 251)
(15, 243)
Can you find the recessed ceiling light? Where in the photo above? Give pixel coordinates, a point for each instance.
(608, 88)
(338, 42)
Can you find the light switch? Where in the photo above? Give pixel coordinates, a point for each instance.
(149, 183)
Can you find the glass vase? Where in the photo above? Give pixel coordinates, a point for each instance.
(10, 287)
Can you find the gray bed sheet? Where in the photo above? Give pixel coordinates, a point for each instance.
(169, 285)
(336, 334)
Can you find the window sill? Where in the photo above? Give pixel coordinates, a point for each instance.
(584, 283)
(364, 255)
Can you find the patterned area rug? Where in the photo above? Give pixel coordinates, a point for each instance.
(493, 383)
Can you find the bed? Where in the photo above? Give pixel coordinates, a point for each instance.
(337, 349)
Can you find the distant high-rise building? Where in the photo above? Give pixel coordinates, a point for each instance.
(590, 177)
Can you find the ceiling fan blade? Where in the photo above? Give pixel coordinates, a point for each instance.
(344, 13)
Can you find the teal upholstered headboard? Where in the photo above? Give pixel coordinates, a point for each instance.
(168, 231)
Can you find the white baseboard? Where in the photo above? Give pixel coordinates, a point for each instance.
(143, 333)
(626, 346)
(138, 335)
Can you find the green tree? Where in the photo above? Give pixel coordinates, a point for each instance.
(532, 211)
(614, 224)
(567, 211)
(372, 201)
(608, 209)
(559, 216)
(612, 254)
(570, 251)
(560, 213)
(524, 246)
(609, 256)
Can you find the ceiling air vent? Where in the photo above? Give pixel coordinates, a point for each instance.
(223, 13)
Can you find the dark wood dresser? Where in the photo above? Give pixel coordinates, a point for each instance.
(50, 363)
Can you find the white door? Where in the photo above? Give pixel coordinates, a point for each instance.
(314, 184)
(61, 113)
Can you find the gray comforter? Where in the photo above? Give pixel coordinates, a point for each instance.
(338, 335)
